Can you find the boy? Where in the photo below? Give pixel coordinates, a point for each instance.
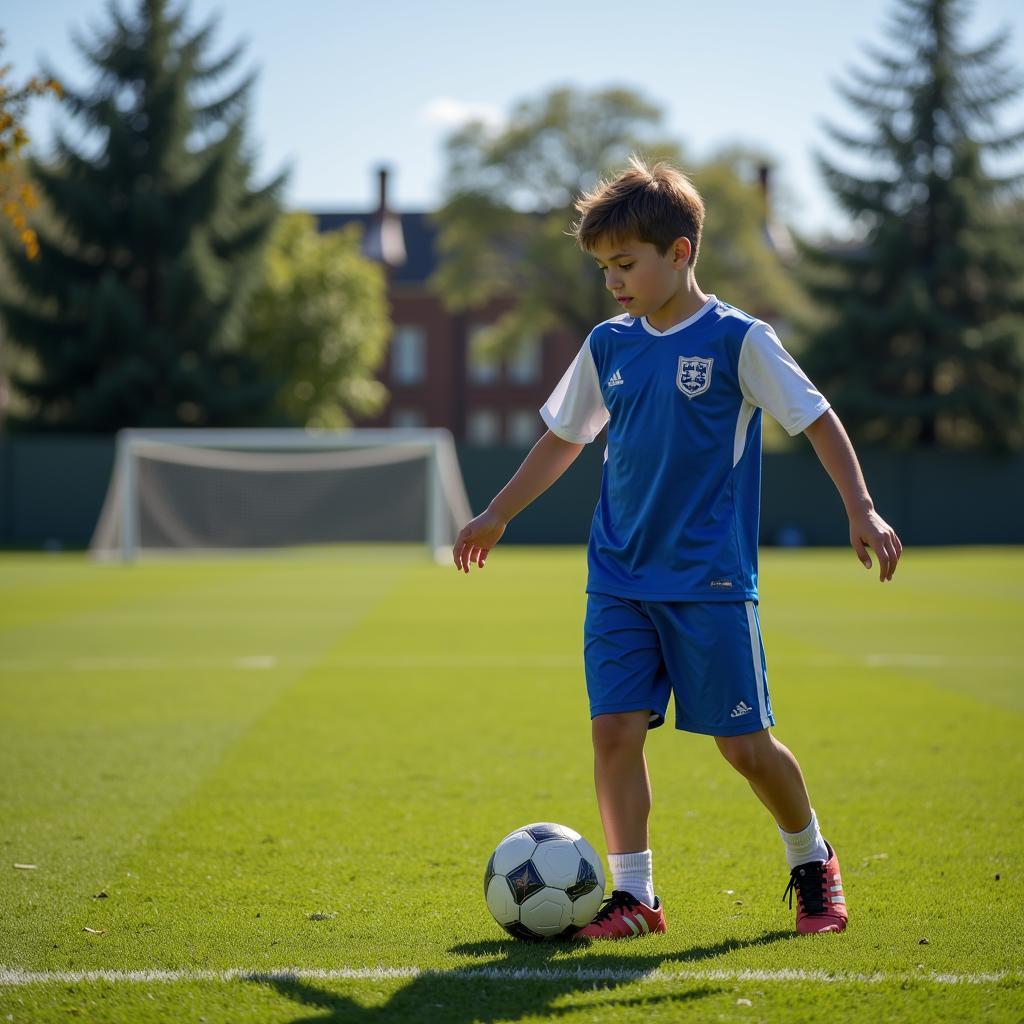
(680, 379)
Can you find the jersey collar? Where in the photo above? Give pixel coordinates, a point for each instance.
(680, 326)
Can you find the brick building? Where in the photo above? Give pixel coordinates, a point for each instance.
(435, 373)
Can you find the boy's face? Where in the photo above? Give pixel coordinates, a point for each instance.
(642, 279)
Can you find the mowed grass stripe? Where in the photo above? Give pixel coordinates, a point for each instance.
(92, 765)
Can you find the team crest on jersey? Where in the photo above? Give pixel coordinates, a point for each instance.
(694, 377)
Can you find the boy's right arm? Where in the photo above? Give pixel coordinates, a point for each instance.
(547, 461)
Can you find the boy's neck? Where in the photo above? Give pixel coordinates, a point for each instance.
(685, 301)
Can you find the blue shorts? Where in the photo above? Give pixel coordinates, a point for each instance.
(707, 654)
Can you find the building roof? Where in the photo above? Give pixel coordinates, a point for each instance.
(419, 232)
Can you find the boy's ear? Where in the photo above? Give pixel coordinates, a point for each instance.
(681, 249)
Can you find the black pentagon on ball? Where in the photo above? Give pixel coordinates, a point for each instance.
(518, 930)
(542, 833)
(488, 874)
(586, 881)
(524, 881)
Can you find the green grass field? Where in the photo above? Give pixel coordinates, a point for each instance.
(300, 763)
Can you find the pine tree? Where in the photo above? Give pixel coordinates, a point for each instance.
(922, 341)
(152, 242)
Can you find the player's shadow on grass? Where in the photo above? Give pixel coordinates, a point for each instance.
(597, 955)
(511, 980)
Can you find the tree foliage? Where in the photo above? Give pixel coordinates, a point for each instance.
(509, 206)
(151, 242)
(17, 196)
(922, 336)
(319, 323)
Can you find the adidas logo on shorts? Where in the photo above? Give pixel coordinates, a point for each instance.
(743, 708)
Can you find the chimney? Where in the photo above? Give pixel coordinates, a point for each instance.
(384, 241)
(775, 233)
(763, 178)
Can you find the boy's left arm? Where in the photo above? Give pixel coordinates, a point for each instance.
(867, 528)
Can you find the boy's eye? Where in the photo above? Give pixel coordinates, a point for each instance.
(625, 266)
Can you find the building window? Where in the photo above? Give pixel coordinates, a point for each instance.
(483, 427)
(523, 427)
(408, 418)
(484, 367)
(409, 355)
(524, 364)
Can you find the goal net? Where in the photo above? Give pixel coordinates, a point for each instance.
(192, 490)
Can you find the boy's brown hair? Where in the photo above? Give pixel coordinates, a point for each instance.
(652, 204)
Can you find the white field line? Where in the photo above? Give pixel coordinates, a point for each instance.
(263, 662)
(13, 977)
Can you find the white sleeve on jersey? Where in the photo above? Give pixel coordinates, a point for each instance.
(575, 411)
(771, 379)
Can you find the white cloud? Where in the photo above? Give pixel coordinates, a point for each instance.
(451, 113)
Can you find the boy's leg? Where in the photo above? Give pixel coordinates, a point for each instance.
(775, 777)
(773, 774)
(621, 780)
(628, 691)
(624, 798)
(716, 659)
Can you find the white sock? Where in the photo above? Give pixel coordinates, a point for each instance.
(631, 872)
(804, 846)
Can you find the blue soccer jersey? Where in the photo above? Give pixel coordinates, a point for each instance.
(678, 515)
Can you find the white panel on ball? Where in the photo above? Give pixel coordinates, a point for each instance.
(558, 862)
(500, 902)
(586, 906)
(547, 912)
(512, 851)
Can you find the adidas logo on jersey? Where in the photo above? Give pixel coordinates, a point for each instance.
(614, 379)
(743, 708)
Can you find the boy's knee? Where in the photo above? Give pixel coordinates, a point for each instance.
(621, 733)
(748, 754)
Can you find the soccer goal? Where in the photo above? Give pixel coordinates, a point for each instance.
(210, 490)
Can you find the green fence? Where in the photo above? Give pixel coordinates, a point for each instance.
(52, 487)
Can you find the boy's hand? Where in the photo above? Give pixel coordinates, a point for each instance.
(476, 539)
(870, 530)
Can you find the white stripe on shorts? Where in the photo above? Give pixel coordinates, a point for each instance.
(755, 652)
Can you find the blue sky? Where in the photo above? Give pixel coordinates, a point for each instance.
(347, 85)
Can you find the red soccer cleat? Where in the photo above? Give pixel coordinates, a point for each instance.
(623, 916)
(820, 903)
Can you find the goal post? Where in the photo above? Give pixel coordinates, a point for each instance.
(250, 489)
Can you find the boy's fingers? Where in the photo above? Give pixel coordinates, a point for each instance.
(862, 552)
(484, 552)
(883, 563)
(888, 556)
(894, 547)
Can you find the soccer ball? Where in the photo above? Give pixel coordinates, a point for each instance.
(543, 882)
